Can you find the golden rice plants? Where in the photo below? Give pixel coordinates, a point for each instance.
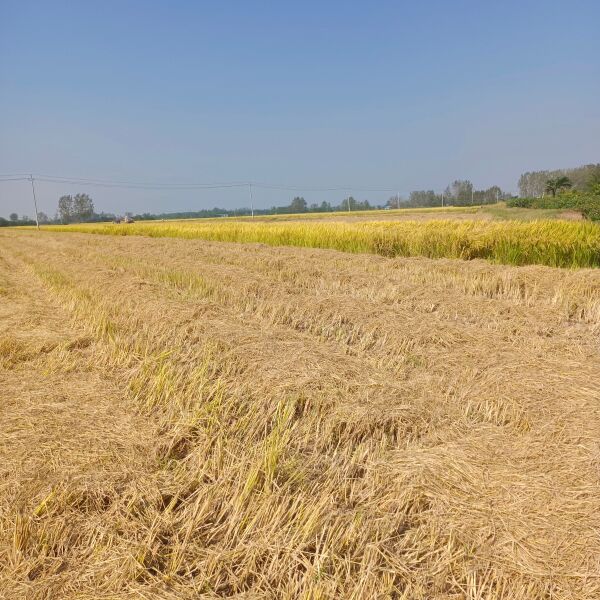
(552, 243)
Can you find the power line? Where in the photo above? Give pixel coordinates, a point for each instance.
(121, 182)
(140, 185)
(193, 185)
(309, 188)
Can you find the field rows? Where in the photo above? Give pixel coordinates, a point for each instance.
(228, 419)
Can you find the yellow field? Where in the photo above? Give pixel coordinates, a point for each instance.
(192, 419)
(548, 242)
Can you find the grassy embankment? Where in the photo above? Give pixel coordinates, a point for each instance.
(586, 204)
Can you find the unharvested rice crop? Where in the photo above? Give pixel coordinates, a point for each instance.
(195, 419)
(553, 243)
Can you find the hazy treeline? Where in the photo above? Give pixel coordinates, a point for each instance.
(460, 192)
(297, 205)
(80, 209)
(15, 219)
(583, 179)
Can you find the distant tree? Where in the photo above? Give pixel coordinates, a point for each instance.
(556, 184)
(397, 201)
(459, 192)
(83, 207)
(43, 217)
(65, 209)
(492, 194)
(582, 176)
(533, 184)
(298, 205)
(14, 217)
(3, 222)
(423, 198)
(593, 181)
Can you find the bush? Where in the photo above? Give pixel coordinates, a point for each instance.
(520, 202)
(587, 204)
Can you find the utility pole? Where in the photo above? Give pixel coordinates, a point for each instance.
(397, 199)
(442, 199)
(37, 222)
(348, 203)
(251, 201)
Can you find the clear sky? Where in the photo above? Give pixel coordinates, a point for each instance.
(406, 95)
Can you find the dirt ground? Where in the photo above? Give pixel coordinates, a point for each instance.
(182, 419)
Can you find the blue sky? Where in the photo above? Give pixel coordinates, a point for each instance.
(399, 95)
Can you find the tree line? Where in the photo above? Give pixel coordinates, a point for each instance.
(461, 192)
(534, 184)
(297, 205)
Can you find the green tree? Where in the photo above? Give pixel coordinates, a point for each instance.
(492, 194)
(532, 184)
(65, 209)
(298, 205)
(83, 207)
(422, 198)
(556, 184)
(459, 192)
(14, 217)
(593, 182)
(595, 188)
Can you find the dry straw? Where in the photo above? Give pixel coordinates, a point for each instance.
(185, 419)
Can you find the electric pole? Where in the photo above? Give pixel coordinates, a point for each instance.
(251, 201)
(37, 222)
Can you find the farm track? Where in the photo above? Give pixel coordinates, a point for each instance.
(226, 419)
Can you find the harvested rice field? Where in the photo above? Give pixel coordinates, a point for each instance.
(183, 418)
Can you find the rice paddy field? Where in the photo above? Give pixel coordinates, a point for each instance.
(453, 233)
(300, 411)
